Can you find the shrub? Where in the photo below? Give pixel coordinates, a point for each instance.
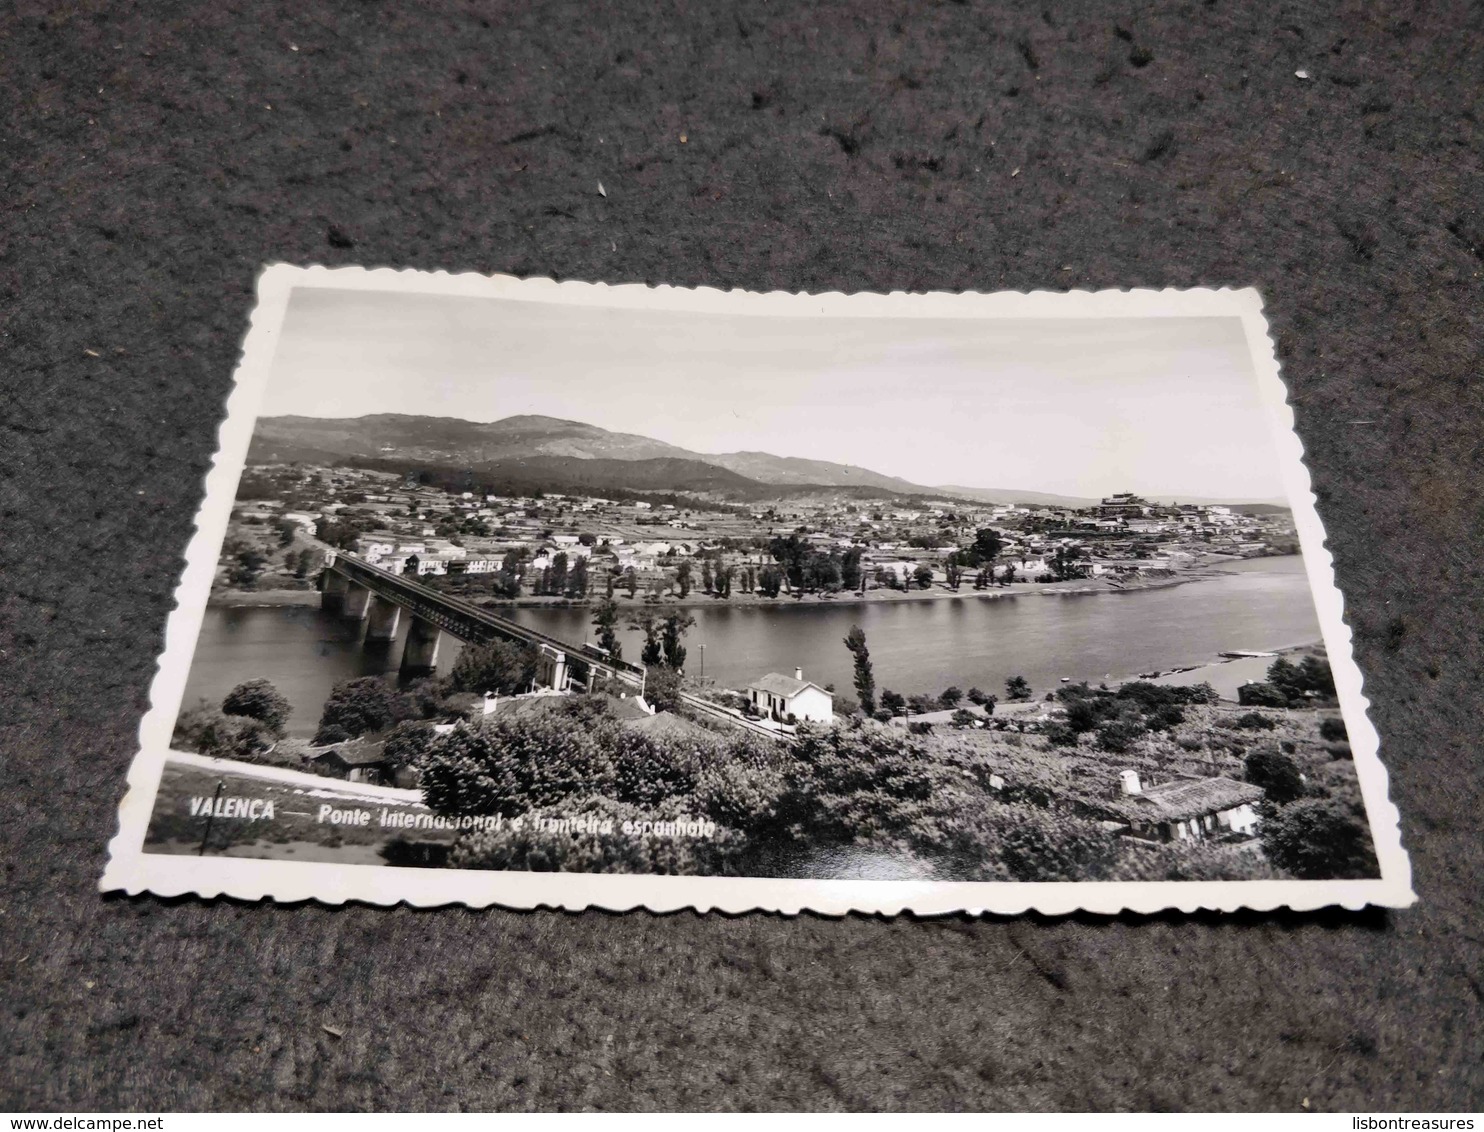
(893, 702)
(881, 715)
(1165, 718)
(916, 728)
(1043, 846)
(921, 704)
(963, 717)
(516, 764)
(1060, 735)
(354, 708)
(1084, 715)
(1119, 735)
(1276, 773)
(1339, 750)
(662, 687)
(1333, 729)
(951, 697)
(1254, 721)
(407, 745)
(496, 666)
(260, 700)
(1319, 839)
(1257, 694)
(207, 731)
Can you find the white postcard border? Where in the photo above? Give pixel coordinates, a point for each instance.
(132, 870)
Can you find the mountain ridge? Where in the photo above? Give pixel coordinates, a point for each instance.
(513, 442)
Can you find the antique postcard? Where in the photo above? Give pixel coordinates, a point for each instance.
(524, 593)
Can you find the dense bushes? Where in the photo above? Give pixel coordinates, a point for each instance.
(247, 727)
(259, 700)
(1253, 721)
(1319, 839)
(1276, 773)
(497, 666)
(1333, 730)
(1291, 685)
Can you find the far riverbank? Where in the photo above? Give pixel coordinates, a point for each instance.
(246, 599)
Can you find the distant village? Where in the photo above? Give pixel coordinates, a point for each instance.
(820, 541)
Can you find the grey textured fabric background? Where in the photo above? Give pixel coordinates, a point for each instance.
(154, 156)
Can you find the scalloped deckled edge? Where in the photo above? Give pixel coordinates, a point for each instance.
(131, 870)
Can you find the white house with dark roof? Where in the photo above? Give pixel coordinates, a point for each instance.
(778, 696)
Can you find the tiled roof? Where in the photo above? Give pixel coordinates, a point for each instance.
(357, 752)
(781, 685)
(1186, 798)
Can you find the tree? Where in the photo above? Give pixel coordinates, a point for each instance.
(769, 581)
(1008, 577)
(304, 563)
(631, 581)
(605, 618)
(577, 579)
(923, 576)
(850, 569)
(1258, 694)
(983, 699)
(675, 626)
(246, 565)
(210, 732)
(1018, 688)
(354, 708)
(1066, 564)
(894, 702)
(954, 574)
(260, 700)
(495, 666)
(662, 685)
(286, 531)
(707, 582)
(1319, 839)
(981, 579)
(986, 547)
(865, 678)
(647, 623)
(608, 585)
(1276, 773)
(683, 579)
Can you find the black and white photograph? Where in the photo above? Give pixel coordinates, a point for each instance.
(881, 601)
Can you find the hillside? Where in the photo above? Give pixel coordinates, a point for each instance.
(521, 450)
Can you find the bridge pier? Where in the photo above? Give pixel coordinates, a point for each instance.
(332, 587)
(420, 653)
(552, 668)
(384, 618)
(357, 602)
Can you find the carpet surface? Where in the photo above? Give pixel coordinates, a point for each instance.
(156, 155)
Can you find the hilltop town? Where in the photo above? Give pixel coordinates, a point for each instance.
(808, 543)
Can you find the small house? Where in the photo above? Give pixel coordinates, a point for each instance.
(1186, 809)
(359, 760)
(778, 697)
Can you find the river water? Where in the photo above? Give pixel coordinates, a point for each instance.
(920, 646)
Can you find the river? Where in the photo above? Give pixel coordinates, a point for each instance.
(920, 646)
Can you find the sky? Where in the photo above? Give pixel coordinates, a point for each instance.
(1086, 407)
